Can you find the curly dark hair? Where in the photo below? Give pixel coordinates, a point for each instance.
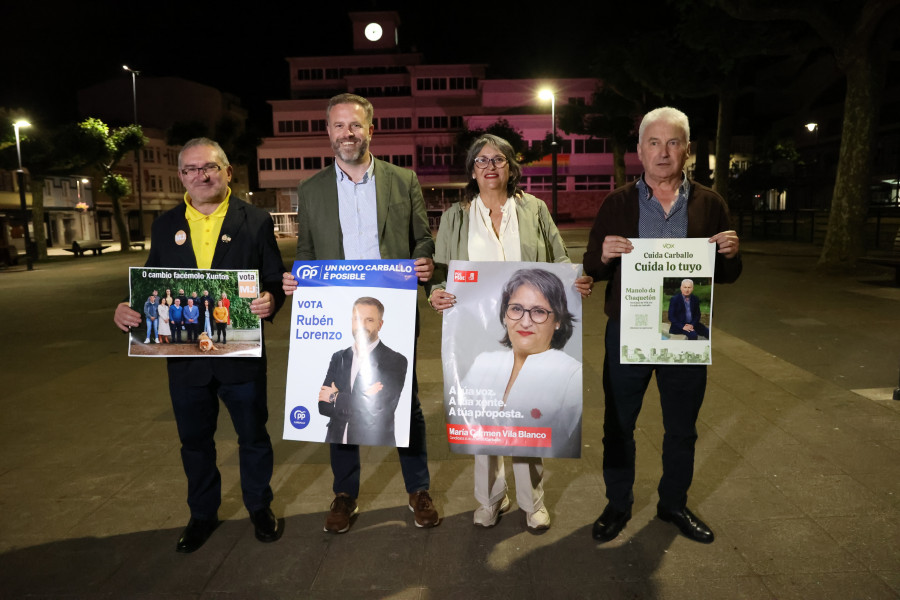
(505, 148)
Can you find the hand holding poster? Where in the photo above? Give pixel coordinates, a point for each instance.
(350, 362)
(512, 359)
(667, 293)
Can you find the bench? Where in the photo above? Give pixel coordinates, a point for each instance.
(137, 245)
(888, 259)
(79, 247)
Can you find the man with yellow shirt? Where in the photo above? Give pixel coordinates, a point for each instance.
(213, 230)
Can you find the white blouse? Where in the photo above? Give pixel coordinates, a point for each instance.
(484, 244)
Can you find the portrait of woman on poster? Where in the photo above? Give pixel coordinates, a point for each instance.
(534, 376)
(206, 316)
(165, 329)
(497, 221)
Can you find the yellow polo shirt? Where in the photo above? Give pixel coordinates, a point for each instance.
(205, 230)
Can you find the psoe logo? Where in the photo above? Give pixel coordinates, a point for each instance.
(299, 417)
(465, 276)
(307, 272)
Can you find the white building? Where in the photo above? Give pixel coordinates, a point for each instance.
(419, 111)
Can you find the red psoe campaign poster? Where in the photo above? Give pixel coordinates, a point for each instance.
(511, 348)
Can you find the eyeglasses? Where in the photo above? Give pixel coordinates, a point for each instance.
(536, 314)
(482, 162)
(193, 172)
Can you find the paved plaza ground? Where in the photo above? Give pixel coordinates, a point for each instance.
(797, 470)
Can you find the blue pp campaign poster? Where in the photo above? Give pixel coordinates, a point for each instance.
(350, 361)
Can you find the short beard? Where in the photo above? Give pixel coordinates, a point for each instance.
(351, 156)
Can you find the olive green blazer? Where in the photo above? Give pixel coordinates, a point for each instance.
(403, 230)
(538, 236)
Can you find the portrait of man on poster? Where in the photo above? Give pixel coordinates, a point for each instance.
(362, 387)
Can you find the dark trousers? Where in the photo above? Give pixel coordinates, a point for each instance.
(345, 463)
(176, 331)
(681, 390)
(192, 331)
(220, 331)
(196, 413)
(699, 329)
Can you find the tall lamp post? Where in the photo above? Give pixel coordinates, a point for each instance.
(137, 152)
(20, 175)
(547, 94)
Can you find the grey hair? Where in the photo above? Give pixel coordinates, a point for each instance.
(667, 114)
(202, 141)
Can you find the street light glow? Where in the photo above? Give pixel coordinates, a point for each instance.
(811, 126)
(546, 94)
(21, 123)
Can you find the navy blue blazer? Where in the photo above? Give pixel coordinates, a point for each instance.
(678, 316)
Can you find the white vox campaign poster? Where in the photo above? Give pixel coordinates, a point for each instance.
(512, 359)
(352, 344)
(667, 297)
(194, 312)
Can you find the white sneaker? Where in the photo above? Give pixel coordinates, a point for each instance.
(156, 340)
(486, 516)
(538, 520)
(147, 341)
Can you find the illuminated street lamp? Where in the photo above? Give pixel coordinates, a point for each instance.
(137, 151)
(547, 94)
(20, 175)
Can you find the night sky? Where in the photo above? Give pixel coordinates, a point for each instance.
(50, 50)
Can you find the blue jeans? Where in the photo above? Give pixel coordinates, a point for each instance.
(152, 328)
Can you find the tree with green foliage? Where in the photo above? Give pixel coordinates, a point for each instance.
(502, 129)
(610, 115)
(46, 152)
(104, 150)
(860, 35)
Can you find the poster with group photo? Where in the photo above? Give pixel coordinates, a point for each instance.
(194, 312)
(352, 343)
(667, 296)
(511, 348)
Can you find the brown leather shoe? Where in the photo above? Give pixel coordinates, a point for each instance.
(343, 509)
(426, 515)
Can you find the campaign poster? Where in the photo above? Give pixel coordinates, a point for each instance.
(667, 298)
(511, 348)
(194, 312)
(352, 344)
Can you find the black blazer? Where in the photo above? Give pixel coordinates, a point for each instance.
(370, 418)
(250, 244)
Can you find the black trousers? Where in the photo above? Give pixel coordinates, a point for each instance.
(196, 414)
(681, 391)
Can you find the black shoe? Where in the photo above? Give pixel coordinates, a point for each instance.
(610, 523)
(688, 523)
(266, 525)
(195, 534)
